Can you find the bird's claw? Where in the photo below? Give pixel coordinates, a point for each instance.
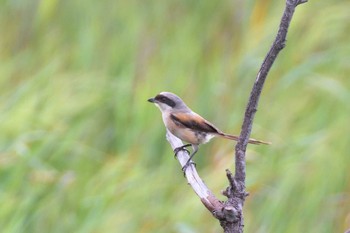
(181, 148)
(186, 166)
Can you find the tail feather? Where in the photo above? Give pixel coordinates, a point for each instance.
(251, 140)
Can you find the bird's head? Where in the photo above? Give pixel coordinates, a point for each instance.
(167, 101)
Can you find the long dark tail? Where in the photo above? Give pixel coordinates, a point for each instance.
(251, 140)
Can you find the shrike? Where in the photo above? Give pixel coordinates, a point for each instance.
(187, 125)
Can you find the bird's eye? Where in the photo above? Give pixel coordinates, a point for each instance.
(161, 98)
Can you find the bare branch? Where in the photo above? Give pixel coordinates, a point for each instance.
(252, 106)
(230, 213)
(197, 184)
(225, 212)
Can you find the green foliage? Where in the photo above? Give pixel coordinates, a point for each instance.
(82, 151)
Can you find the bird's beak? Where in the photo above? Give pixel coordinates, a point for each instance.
(152, 100)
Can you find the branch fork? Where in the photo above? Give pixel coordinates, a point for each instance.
(230, 212)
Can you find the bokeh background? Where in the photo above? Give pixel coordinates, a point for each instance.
(81, 150)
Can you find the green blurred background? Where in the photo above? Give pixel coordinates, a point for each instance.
(81, 150)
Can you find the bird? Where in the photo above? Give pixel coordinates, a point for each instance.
(187, 125)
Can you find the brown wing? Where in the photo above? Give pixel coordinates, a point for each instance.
(194, 122)
(197, 123)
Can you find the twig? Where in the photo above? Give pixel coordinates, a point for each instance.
(230, 213)
(207, 197)
(277, 46)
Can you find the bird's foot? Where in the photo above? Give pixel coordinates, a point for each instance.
(190, 162)
(181, 148)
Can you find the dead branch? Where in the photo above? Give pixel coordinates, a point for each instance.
(230, 212)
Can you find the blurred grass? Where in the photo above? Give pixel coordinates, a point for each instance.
(82, 151)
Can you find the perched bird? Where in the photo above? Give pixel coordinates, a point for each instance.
(187, 125)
